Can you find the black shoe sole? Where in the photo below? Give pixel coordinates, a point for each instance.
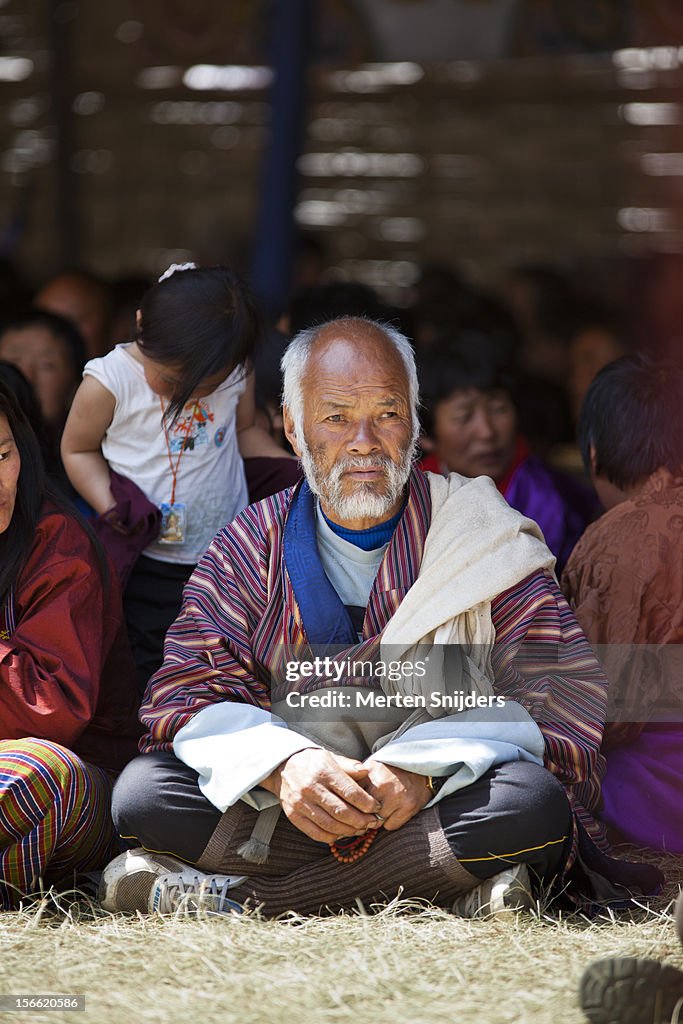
(627, 990)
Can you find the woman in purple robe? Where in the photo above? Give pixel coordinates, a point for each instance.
(471, 401)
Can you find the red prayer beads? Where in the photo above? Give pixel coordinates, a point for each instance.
(350, 849)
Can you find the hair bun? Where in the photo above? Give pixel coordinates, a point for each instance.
(175, 267)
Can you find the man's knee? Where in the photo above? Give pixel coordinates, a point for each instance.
(157, 804)
(516, 812)
(137, 793)
(540, 797)
(534, 819)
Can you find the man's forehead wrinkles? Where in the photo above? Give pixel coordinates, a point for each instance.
(348, 397)
(342, 386)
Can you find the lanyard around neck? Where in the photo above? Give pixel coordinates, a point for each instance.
(186, 431)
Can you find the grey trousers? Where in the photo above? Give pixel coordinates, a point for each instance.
(517, 813)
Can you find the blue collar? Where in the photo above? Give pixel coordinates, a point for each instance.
(370, 539)
(326, 620)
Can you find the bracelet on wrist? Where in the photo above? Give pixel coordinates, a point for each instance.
(435, 782)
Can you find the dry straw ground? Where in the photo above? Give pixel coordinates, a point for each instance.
(398, 965)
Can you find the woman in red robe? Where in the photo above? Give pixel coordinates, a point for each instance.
(67, 696)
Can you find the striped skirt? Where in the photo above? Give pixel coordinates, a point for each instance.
(55, 817)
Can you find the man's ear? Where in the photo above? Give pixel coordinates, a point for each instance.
(290, 432)
(593, 458)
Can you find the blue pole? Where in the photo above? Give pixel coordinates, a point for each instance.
(272, 252)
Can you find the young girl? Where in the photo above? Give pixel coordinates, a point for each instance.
(174, 412)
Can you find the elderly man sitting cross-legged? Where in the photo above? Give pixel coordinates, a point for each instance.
(277, 772)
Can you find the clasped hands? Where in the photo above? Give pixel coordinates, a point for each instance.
(328, 796)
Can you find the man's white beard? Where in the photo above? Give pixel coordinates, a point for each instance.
(366, 502)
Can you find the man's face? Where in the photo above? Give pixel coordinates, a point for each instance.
(44, 360)
(474, 432)
(357, 446)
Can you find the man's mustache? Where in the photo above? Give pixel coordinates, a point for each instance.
(361, 462)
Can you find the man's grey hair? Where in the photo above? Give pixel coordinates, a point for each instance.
(295, 361)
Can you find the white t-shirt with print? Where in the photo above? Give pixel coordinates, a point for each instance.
(210, 480)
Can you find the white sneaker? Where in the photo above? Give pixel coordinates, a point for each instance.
(506, 892)
(155, 883)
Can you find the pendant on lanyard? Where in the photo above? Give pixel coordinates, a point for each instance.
(173, 528)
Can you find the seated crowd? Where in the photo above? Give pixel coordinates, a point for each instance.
(193, 582)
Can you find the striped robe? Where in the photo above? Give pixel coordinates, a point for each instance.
(239, 613)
